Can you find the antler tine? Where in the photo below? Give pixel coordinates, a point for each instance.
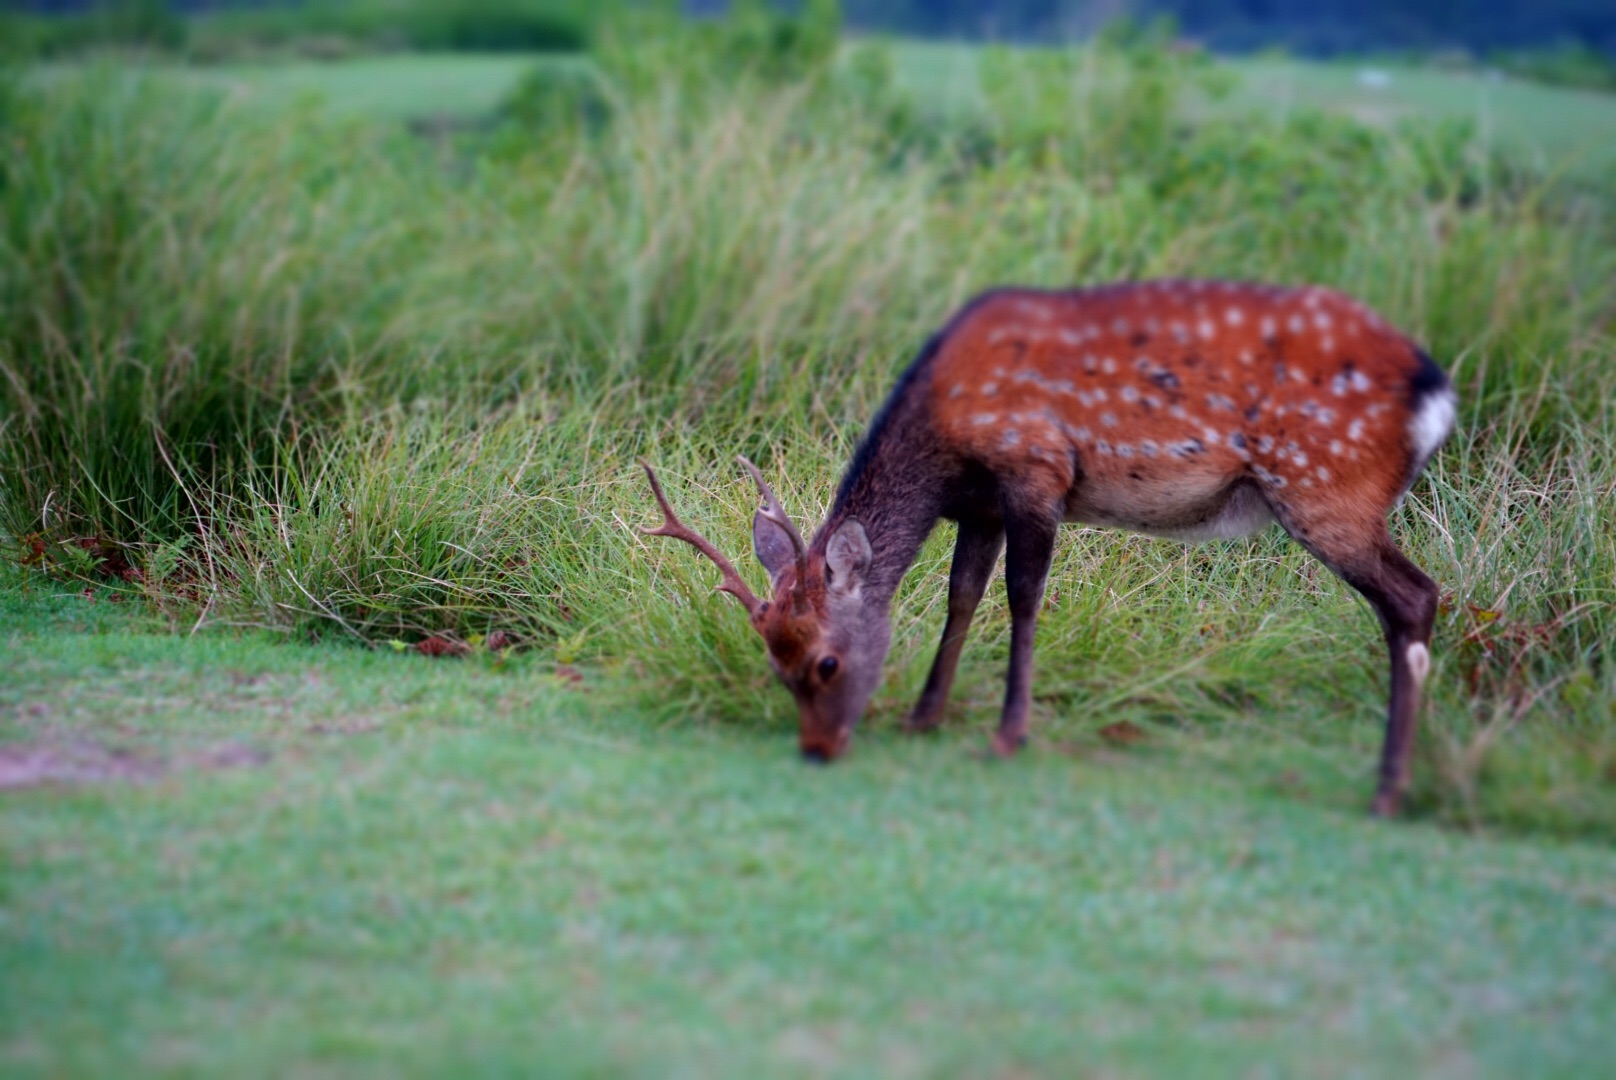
(776, 513)
(672, 526)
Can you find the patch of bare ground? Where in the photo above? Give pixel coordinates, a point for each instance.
(24, 765)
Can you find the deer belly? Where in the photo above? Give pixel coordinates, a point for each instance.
(1182, 508)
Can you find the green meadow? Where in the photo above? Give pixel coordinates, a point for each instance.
(309, 371)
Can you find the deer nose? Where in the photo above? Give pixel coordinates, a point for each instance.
(823, 749)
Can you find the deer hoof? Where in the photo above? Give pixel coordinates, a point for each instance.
(1384, 806)
(919, 725)
(1006, 743)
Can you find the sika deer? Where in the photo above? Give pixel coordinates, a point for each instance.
(1194, 410)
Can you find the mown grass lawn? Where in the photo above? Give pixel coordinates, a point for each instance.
(350, 860)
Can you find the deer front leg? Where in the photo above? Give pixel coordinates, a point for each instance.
(1030, 545)
(975, 552)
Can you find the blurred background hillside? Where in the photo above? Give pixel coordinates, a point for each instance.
(1310, 27)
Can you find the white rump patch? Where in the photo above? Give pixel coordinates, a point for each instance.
(1419, 662)
(1432, 422)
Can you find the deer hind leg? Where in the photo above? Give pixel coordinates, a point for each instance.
(1029, 548)
(1405, 599)
(975, 553)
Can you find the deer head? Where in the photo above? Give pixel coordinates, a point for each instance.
(826, 635)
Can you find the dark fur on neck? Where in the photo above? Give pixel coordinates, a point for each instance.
(894, 484)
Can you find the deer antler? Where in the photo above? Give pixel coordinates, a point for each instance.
(672, 526)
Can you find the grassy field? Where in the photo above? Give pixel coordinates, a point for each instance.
(334, 859)
(1564, 129)
(306, 392)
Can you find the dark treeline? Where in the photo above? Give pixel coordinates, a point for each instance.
(1316, 27)
(1307, 26)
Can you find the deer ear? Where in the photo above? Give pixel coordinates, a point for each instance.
(847, 556)
(773, 545)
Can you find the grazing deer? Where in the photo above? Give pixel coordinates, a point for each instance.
(1186, 409)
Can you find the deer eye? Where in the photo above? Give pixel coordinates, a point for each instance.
(827, 668)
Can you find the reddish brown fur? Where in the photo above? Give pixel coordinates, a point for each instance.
(791, 627)
(1304, 385)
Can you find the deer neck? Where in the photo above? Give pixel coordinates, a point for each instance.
(895, 489)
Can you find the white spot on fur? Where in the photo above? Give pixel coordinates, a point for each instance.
(1336, 447)
(959, 388)
(1010, 437)
(1360, 381)
(1419, 662)
(1355, 430)
(989, 389)
(1323, 474)
(984, 419)
(1296, 325)
(1234, 316)
(1207, 329)
(1322, 321)
(1109, 366)
(1108, 419)
(1268, 327)
(1129, 394)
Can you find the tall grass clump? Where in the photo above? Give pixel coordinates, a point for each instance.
(344, 383)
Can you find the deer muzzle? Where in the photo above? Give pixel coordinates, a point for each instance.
(823, 747)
